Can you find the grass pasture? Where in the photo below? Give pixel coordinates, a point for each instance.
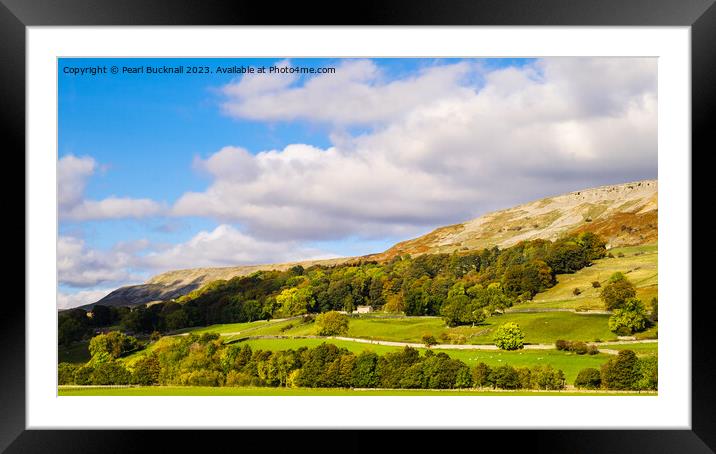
(639, 265)
(570, 363)
(539, 328)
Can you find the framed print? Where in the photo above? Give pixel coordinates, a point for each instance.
(413, 218)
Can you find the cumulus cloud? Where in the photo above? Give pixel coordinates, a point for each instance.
(357, 93)
(68, 300)
(73, 174)
(441, 151)
(227, 246)
(82, 267)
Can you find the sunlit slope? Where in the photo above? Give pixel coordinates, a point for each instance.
(639, 264)
(624, 214)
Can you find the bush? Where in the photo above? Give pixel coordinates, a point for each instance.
(286, 327)
(525, 296)
(234, 378)
(596, 284)
(332, 323)
(546, 377)
(576, 291)
(579, 348)
(66, 373)
(509, 337)
(110, 373)
(83, 375)
(562, 345)
(201, 377)
(458, 339)
(588, 378)
(429, 340)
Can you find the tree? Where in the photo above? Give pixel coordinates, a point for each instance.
(630, 318)
(454, 310)
(547, 377)
(114, 344)
(481, 376)
(394, 303)
(72, 326)
(588, 378)
(621, 372)
(101, 315)
(332, 323)
(294, 300)
(505, 377)
(176, 320)
(648, 369)
(654, 314)
(617, 291)
(110, 373)
(146, 371)
(509, 336)
(364, 373)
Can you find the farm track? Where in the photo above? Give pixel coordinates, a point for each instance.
(443, 346)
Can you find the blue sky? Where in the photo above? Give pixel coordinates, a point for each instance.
(161, 171)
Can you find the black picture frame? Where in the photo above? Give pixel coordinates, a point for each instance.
(700, 15)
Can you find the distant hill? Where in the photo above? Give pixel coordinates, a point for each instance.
(624, 214)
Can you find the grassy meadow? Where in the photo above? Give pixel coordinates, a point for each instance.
(639, 264)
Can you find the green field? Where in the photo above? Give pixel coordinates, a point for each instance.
(228, 391)
(231, 327)
(539, 328)
(651, 348)
(639, 265)
(570, 363)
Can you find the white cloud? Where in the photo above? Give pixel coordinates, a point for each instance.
(443, 151)
(72, 176)
(80, 266)
(255, 84)
(68, 300)
(227, 246)
(355, 93)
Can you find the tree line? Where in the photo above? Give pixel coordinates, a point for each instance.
(204, 360)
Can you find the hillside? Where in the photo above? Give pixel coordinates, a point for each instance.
(624, 214)
(174, 284)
